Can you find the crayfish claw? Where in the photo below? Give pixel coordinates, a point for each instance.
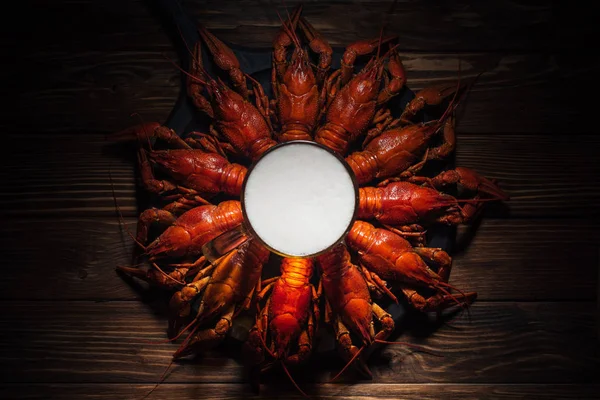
(319, 45)
(225, 59)
(141, 132)
(470, 181)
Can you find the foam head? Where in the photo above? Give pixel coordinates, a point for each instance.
(300, 198)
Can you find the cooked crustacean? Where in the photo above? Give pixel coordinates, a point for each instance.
(347, 111)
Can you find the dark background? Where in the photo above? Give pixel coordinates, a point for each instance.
(75, 70)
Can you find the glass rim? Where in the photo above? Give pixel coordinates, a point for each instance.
(246, 221)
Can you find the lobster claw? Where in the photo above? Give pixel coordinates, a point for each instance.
(471, 181)
(360, 48)
(225, 59)
(319, 45)
(283, 40)
(431, 96)
(145, 134)
(141, 132)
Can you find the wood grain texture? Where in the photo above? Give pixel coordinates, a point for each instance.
(101, 61)
(71, 327)
(421, 25)
(89, 342)
(98, 91)
(546, 176)
(75, 258)
(372, 391)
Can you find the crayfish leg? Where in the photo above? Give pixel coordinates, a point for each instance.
(438, 302)
(438, 258)
(183, 204)
(449, 144)
(148, 218)
(380, 286)
(386, 321)
(397, 81)
(348, 350)
(155, 277)
(208, 338)
(180, 304)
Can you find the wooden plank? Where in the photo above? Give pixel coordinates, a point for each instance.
(66, 259)
(98, 90)
(545, 176)
(528, 259)
(69, 174)
(339, 391)
(506, 260)
(421, 25)
(90, 342)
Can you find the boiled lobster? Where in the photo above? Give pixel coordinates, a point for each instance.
(225, 292)
(356, 105)
(401, 151)
(406, 206)
(394, 260)
(338, 110)
(286, 326)
(349, 308)
(295, 86)
(182, 239)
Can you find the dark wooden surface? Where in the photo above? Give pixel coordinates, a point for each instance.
(70, 327)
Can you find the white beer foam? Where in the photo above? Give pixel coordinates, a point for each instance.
(299, 199)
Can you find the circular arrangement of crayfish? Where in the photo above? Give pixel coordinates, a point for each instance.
(198, 179)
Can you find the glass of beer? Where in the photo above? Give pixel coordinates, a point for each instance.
(299, 200)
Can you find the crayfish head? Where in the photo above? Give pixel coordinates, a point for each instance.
(173, 242)
(299, 77)
(365, 85)
(179, 162)
(227, 103)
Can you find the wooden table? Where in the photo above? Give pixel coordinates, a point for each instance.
(70, 326)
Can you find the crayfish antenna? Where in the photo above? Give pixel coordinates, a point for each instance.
(120, 214)
(292, 379)
(348, 364)
(167, 275)
(164, 375)
(289, 29)
(185, 43)
(187, 73)
(191, 54)
(387, 53)
(181, 332)
(454, 103)
(197, 320)
(143, 125)
(464, 305)
(379, 44)
(476, 201)
(161, 380)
